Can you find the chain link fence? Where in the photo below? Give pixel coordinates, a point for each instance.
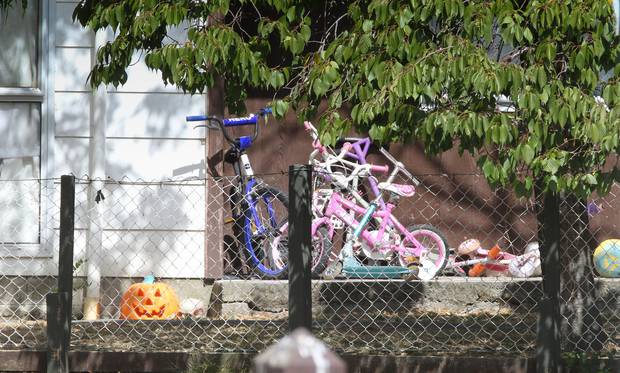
(489, 309)
(202, 241)
(28, 245)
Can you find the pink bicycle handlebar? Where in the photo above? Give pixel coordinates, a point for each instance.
(378, 168)
(316, 144)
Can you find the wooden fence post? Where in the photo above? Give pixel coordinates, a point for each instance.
(299, 247)
(59, 304)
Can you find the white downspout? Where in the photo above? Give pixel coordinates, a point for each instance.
(96, 166)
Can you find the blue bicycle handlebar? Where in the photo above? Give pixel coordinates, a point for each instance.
(233, 122)
(196, 118)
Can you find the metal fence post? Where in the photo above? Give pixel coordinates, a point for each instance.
(300, 241)
(548, 349)
(214, 155)
(59, 304)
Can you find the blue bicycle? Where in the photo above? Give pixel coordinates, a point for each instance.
(259, 211)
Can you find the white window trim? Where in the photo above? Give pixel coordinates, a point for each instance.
(45, 95)
(21, 94)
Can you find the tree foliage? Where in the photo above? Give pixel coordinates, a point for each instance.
(435, 70)
(431, 70)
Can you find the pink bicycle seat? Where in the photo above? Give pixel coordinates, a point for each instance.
(403, 190)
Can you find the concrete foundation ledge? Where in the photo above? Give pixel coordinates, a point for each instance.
(444, 295)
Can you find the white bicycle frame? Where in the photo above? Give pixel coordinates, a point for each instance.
(349, 181)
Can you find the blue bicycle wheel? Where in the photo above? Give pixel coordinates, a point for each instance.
(264, 223)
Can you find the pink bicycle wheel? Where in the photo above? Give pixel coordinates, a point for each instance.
(435, 244)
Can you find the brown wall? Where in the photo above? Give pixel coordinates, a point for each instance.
(453, 196)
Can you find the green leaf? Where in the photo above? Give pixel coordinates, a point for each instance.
(590, 179)
(563, 116)
(305, 32)
(551, 165)
(527, 34)
(331, 74)
(367, 25)
(527, 153)
(320, 87)
(290, 14)
(276, 79)
(489, 169)
(280, 107)
(580, 60)
(377, 133)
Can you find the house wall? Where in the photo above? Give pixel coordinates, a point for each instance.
(135, 133)
(146, 139)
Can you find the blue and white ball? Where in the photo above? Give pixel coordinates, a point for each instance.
(607, 258)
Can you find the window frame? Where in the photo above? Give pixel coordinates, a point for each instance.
(44, 95)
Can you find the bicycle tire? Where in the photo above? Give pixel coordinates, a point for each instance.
(236, 208)
(319, 263)
(442, 246)
(253, 238)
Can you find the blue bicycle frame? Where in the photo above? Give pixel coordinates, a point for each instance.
(252, 189)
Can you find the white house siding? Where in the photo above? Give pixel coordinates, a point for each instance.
(148, 228)
(23, 119)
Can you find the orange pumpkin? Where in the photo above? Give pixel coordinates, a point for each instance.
(149, 300)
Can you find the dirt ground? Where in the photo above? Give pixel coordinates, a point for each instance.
(392, 335)
(414, 334)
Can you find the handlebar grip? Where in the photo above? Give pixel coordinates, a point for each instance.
(196, 118)
(377, 168)
(346, 147)
(233, 122)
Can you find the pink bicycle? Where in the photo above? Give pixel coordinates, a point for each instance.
(419, 250)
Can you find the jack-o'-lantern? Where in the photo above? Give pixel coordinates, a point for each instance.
(149, 300)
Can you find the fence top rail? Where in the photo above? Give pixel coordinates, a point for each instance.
(26, 179)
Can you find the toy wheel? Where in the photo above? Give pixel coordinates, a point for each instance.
(436, 256)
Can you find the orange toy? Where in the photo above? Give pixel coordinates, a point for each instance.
(478, 269)
(149, 300)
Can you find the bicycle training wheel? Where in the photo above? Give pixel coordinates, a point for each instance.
(434, 259)
(265, 217)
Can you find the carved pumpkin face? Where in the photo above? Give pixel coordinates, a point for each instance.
(144, 301)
